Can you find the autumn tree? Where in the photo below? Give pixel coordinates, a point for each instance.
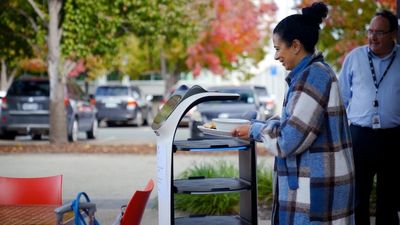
(20, 40)
(237, 28)
(345, 25)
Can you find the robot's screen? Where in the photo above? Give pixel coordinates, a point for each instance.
(166, 111)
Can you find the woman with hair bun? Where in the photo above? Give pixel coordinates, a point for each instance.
(314, 171)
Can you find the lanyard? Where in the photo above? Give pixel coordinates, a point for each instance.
(376, 83)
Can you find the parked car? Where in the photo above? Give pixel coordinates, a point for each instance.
(26, 109)
(122, 104)
(206, 111)
(2, 95)
(267, 101)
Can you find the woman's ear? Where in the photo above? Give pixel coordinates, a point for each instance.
(296, 46)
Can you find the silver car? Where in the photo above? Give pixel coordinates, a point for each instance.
(266, 100)
(122, 104)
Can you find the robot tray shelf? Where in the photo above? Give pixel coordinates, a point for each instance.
(203, 185)
(215, 220)
(211, 145)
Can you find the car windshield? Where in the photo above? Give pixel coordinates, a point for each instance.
(29, 88)
(246, 96)
(111, 91)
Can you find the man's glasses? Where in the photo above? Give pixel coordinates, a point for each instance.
(377, 33)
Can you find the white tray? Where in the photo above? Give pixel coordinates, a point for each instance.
(215, 132)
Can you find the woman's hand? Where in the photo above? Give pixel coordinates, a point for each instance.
(241, 132)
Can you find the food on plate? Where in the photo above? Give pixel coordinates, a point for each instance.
(210, 125)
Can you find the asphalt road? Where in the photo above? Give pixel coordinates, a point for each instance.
(109, 135)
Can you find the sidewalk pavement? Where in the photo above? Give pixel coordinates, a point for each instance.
(108, 179)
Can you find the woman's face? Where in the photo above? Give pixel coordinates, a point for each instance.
(285, 54)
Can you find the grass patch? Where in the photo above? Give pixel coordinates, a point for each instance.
(264, 185)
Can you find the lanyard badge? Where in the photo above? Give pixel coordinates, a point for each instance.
(376, 119)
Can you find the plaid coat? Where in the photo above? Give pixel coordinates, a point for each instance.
(314, 171)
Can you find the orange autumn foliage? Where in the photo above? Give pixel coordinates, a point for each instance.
(234, 31)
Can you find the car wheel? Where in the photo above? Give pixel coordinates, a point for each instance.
(102, 123)
(139, 120)
(73, 134)
(149, 117)
(111, 124)
(92, 133)
(9, 135)
(36, 137)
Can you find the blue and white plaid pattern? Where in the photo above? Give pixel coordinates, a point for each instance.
(312, 145)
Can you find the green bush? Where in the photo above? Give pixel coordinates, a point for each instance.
(264, 185)
(219, 204)
(210, 204)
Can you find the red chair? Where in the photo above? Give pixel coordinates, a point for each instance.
(31, 191)
(131, 215)
(134, 210)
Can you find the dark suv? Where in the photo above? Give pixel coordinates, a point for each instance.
(125, 104)
(25, 109)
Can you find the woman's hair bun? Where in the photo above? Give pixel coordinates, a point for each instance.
(316, 12)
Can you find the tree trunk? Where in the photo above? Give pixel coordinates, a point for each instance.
(5, 83)
(58, 121)
(3, 79)
(169, 82)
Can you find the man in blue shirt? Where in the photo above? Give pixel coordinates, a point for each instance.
(370, 86)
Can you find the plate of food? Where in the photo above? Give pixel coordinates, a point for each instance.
(214, 131)
(221, 126)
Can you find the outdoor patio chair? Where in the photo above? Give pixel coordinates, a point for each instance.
(31, 191)
(131, 214)
(134, 210)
